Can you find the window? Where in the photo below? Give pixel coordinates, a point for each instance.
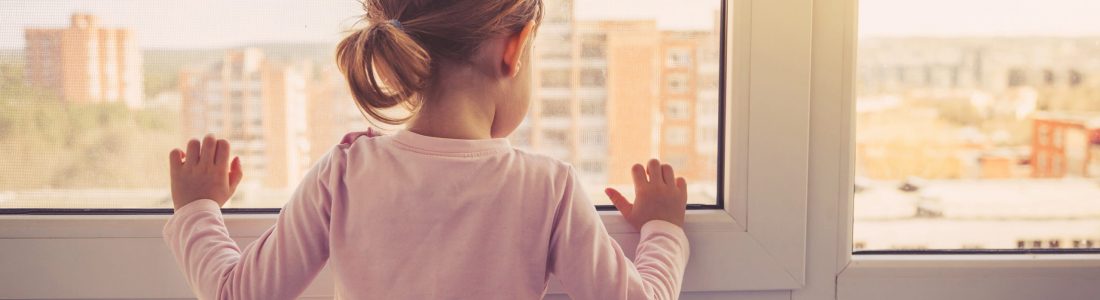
(594, 47)
(592, 166)
(678, 110)
(676, 83)
(555, 78)
(593, 78)
(593, 107)
(593, 138)
(679, 57)
(769, 240)
(555, 108)
(556, 137)
(972, 131)
(177, 71)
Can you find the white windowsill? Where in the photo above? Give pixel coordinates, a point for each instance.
(979, 261)
(252, 225)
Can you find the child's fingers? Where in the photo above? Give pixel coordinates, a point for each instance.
(682, 185)
(620, 202)
(192, 152)
(206, 155)
(668, 174)
(175, 160)
(654, 171)
(235, 173)
(638, 171)
(221, 155)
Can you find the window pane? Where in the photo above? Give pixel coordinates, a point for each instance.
(978, 128)
(646, 78)
(93, 94)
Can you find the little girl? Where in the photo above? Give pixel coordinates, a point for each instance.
(445, 209)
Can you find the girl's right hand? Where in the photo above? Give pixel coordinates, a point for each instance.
(659, 195)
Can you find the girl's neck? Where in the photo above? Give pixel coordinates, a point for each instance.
(459, 112)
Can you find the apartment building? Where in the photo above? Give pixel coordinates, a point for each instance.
(1065, 144)
(85, 62)
(331, 113)
(609, 94)
(689, 96)
(259, 106)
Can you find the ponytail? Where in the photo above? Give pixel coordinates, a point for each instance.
(385, 68)
(390, 64)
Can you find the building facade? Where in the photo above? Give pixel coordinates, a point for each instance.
(332, 113)
(1065, 144)
(689, 96)
(610, 94)
(85, 63)
(256, 104)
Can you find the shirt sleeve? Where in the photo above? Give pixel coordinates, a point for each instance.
(591, 265)
(280, 264)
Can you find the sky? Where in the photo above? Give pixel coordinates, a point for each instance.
(227, 23)
(979, 17)
(222, 23)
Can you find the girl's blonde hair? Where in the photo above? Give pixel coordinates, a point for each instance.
(392, 60)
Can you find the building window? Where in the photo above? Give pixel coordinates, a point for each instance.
(679, 58)
(676, 83)
(555, 108)
(593, 77)
(597, 138)
(592, 166)
(594, 47)
(550, 50)
(593, 107)
(678, 110)
(555, 78)
(556, 137)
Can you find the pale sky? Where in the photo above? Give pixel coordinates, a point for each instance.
(221, 23)
(979, 17)
(227, 23)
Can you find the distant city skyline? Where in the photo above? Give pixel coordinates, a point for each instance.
(280, 21)
(998, 18)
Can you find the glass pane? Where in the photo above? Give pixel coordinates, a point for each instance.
(978, 125)
(603, 92)
(94, 93)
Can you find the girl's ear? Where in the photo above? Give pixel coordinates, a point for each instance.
(514, 45)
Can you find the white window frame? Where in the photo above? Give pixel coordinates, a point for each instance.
(756, 248)
(841, 275)
(786, 232)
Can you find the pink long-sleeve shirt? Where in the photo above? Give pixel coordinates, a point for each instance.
(408, 216)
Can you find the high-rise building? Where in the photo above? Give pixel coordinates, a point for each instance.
(552, 63)
(85, 63)
(618, 66)
(689, 102)
(259, 106)
(332, 112)
(595, 95)
(609, 94)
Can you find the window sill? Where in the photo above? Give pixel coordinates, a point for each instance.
(44, 243)
(861, 263)
(998, 276)
(252, 225)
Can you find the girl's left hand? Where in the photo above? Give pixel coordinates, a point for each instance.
(204, 172)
